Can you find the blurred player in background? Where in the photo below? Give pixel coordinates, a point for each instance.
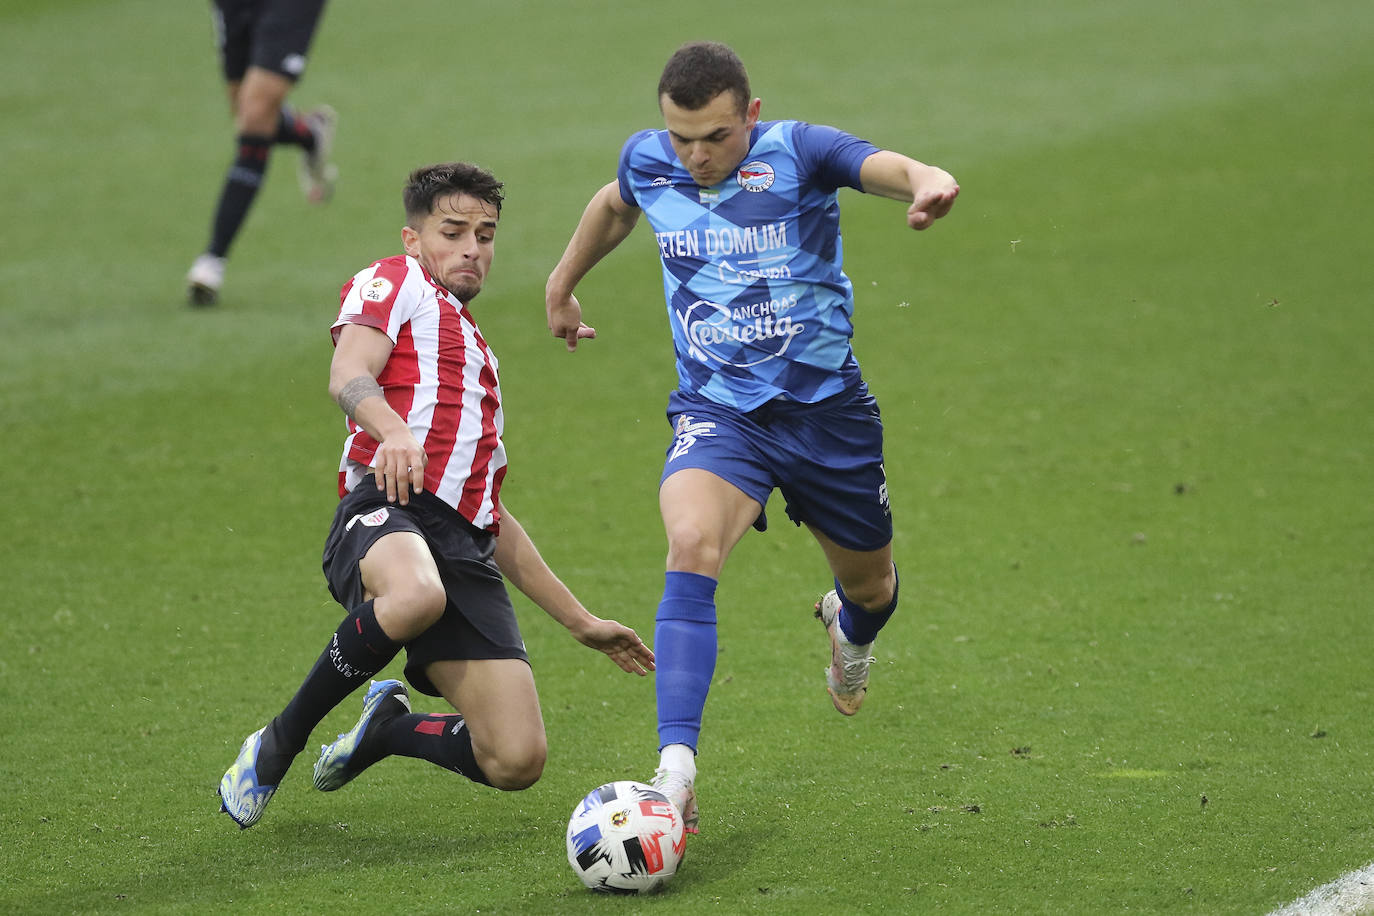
(769, 395)
(262, 47)
(422, 538)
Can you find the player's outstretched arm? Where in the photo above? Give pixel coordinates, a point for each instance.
(929, 190)
(606, 222)
(520, 562)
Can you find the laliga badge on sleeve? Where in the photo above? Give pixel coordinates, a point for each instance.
(376, 290)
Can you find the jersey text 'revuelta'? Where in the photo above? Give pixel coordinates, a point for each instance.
(441, 378)
(757, 297)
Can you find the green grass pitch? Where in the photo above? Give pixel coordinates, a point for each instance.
(1129, 401)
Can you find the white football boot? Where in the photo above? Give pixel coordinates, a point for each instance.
(316, 173)
(204, 280)
(681, 791)
(847, 676)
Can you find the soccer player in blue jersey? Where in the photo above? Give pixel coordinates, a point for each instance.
(769, 394)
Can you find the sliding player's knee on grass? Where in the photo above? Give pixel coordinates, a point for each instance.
(498, 699)
(512, 761)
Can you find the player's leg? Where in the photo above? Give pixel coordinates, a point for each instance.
(498, 739)
(867, 579)
(403, 596)
(851, 623)
(257, 111)
(835, 483)
(474, 657)
(395, 593)
(704, 517)
(282, 39)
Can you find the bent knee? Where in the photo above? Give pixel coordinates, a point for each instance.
(871, 594)
(692, 549)
(407, 612)
(515, 771)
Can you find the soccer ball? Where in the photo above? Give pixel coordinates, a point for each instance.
(625, 838)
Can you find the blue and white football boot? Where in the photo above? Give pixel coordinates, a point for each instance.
(335, 769)
(242, 797)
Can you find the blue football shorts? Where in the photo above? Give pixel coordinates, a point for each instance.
(825, 458)
(478, 621)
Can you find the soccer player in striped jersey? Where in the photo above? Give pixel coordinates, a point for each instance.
(770, 396)
(422, 538)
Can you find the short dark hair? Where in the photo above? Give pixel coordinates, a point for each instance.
(431, 182)
(701, 70)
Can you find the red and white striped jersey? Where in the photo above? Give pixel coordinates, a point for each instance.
(441, 377)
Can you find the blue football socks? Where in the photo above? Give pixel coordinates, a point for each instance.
(861, 626)
(685, 652)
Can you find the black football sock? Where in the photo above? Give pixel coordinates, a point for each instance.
(240, 187)
(358, 650)
(441, 739)
(292, 129)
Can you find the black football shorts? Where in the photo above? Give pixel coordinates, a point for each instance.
(479, 621)
(272, 34)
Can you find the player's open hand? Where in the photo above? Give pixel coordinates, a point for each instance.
(399, 466)
(565, 320)
(618, 641)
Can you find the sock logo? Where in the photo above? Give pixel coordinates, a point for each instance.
(341, 664)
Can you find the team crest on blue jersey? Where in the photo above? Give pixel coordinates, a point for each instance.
(755, 176)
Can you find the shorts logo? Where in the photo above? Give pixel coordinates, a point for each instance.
(882, 492)
(293, 64)
(376, 290)
(688, 431)
(372, 519)
(756, 176)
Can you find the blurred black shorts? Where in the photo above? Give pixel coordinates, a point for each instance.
(272, 34)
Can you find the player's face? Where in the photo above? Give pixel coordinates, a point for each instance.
(454, 243)
(713, 140)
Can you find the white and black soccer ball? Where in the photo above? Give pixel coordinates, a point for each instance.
(625, 838)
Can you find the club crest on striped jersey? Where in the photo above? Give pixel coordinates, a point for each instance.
(376, 289)
(755, 176)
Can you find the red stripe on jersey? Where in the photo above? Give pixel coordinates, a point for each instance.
(398, 379)
(447, 421)
(500, 475)
(402, 372)
(475, 489)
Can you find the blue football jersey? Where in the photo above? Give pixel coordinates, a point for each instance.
(757, 297)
